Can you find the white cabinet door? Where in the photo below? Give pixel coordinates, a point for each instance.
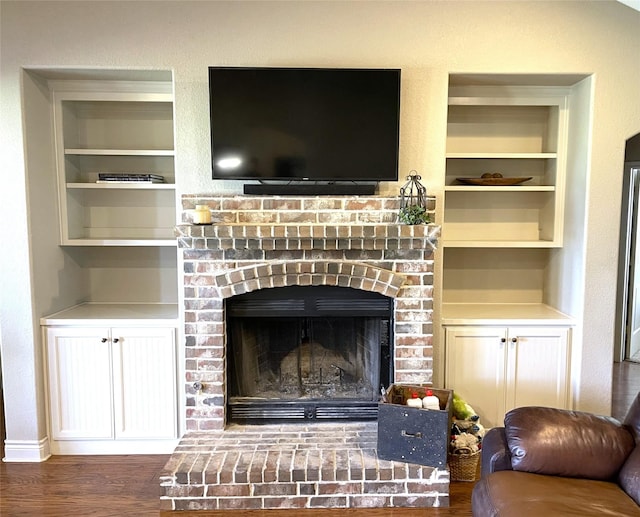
(145, 382)
(475, 369)
(496, 369)
(79, 368)
(538, 369)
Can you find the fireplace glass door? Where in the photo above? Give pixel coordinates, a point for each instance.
(307, 353)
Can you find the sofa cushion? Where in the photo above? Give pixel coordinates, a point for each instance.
(566, 443)
(521, 494)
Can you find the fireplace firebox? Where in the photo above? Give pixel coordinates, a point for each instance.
(307, 353)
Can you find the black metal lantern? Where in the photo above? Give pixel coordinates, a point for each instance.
(413, 201)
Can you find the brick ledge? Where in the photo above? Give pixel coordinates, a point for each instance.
(294, 466)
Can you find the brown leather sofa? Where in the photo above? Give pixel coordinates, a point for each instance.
(549, 462)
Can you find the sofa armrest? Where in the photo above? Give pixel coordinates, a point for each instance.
(495, 452)
(566, 443)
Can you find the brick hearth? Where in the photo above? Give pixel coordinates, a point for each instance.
(262, 242)
(295, 466)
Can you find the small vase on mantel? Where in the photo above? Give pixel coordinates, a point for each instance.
(201, 215)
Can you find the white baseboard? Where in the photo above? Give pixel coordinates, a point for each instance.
(115, 447)
(26, 451)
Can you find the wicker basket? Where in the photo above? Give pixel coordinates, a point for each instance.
(463, 464)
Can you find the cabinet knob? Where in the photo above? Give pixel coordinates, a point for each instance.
(115, 340)
(503, 340)
(514, 339)
(104, 340)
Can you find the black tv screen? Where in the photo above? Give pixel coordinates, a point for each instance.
(294, 124)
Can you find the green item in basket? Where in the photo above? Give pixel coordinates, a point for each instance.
(462, 410)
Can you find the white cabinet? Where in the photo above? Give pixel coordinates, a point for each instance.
(111, 389)
(498, 368)
(114, 127)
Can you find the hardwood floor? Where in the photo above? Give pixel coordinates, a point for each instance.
(626, 385)
(82, 485)
(105, 486)
(128, 485)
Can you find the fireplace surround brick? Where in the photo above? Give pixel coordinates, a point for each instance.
(255, 243)
(263, 242)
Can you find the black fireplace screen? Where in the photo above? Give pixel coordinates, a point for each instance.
(307, 352)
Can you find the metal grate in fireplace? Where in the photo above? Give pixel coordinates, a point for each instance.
(257, 411)
(307, 353)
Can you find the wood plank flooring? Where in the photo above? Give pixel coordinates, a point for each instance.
(105, 486)
(625, 387)
(128, 485)
(82, 485)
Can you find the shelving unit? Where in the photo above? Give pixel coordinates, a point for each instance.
(518, 132)
(120, 258)
(114, 126)
(499, 242)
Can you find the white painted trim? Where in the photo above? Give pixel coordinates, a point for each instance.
(108, 447)
(26, 451)
(109, 86)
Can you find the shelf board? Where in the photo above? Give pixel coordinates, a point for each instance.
(131, 185)
(121, 242)
(503, 314)
(506, 188)
(512, 96)
(114, 314)
(119, 152)
(498, 244)
(519, 156)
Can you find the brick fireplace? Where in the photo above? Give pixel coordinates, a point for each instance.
(264, 242)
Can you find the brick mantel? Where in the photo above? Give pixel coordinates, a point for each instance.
(305, 236)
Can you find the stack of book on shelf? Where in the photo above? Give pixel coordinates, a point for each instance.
(128, 177)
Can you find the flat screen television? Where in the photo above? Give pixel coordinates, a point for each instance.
(304, 125)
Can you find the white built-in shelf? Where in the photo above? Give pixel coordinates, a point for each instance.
(497, 240)
(503, 313)
(170, 242)
(115, 314)
(519, 132)
(124, 185)
(120, 152)
(504, 347)
(475, 243)
(115, 127)
(501, 156)
(506, 188)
